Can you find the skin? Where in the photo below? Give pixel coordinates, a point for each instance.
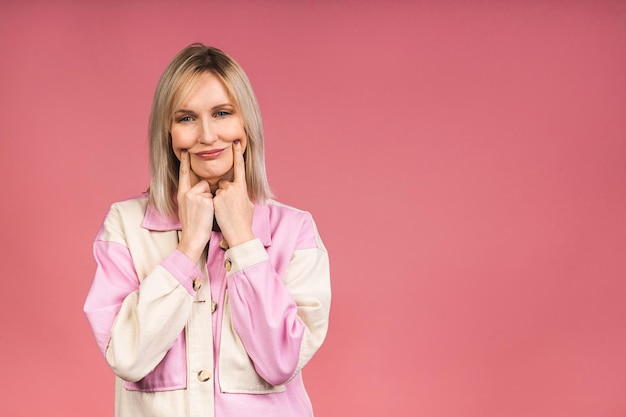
(213, 187)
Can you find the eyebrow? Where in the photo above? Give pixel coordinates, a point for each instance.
(183, 111)
(217, 106)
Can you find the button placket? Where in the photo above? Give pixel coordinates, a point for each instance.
(198, 337)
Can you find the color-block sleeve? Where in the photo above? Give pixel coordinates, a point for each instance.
(281, 322)
(136, 322)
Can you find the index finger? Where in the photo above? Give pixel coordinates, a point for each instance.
(239, 168)
(184, 180)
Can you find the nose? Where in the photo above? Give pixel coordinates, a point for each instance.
(207, 134)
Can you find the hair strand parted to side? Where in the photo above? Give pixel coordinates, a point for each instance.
(175, 83)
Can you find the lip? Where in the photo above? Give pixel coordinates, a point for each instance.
(209, 154)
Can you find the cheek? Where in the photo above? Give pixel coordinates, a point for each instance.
(233, 131)
(180, 141)
(243, 138)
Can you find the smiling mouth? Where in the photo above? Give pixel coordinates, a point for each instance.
(212, 154)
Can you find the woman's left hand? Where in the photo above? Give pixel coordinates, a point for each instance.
(232, 205)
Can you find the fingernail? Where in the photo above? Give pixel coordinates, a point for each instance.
(237, 141)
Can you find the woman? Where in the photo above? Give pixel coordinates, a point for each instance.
(209, 297)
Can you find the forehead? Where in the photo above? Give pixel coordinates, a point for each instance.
(202, 89)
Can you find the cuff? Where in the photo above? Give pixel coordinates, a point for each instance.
(182, 269)
(245, 255)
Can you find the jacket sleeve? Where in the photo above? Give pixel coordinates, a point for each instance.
(281, 321)
(134, 321)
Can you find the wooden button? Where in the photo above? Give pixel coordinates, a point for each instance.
(197, 283)
(204, 375)
(213, 306)
(224, 244)
(227, 265)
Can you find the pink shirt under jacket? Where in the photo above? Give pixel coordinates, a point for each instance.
(226, 337)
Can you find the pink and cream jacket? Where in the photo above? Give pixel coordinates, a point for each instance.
(228, 336)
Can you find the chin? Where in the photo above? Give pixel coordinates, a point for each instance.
(211, 172)
(214, 177)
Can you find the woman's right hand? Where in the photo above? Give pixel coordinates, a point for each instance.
(195, 211)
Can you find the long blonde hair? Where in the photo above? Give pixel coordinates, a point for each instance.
(175, 83)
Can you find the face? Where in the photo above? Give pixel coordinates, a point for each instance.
(206, 123)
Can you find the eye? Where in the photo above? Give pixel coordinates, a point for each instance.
(221, 113)
(185, 119)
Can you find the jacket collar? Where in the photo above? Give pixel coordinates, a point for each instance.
(155, 221)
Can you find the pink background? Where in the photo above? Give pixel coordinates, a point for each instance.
(465, 163)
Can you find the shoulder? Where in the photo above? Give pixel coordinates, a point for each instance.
(282, 213)
(287, 209)
(293, 220)
(134, 205)
(123, 215)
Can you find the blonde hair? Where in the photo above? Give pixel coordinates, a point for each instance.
(175, 83)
